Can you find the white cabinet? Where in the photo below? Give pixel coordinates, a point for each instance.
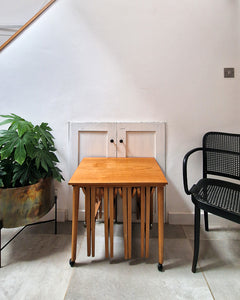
(115, 140)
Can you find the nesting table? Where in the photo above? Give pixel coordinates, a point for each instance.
(125, 174)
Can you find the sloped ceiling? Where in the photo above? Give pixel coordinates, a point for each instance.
(16, 15)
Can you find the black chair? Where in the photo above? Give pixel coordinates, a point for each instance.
(214, 193)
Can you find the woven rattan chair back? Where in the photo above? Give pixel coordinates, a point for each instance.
(221, 154)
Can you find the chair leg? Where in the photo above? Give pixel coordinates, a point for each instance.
(206, 220)
(196, 238)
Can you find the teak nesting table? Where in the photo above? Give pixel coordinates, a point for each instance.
(125, 173)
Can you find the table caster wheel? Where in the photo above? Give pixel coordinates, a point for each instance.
(71, 263)
(160, 267)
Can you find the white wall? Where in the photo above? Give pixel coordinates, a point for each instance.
(122, 60)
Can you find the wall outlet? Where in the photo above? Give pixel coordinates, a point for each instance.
(228, 72)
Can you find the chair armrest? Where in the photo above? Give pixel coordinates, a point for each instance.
(185, 160)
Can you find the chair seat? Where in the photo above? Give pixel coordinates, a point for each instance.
(217, 194)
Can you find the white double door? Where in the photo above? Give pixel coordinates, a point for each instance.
(115, 140)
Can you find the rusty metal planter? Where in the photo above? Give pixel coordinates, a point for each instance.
(25, 205)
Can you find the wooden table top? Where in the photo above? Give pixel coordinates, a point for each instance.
(108, 171)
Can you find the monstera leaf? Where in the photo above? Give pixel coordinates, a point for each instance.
(11, 143)
(17, 124)
(28, 151)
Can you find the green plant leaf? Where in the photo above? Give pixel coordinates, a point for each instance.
(23, 127)
(11, 116)
(40, 159)
(44, 165)
(53, 157)
(8, 141)
(2, 173)
(56, 173)
(18, 174)
(20, 152)
(30, 150)
(5, 122)
(6, 136)
(7, 150)
(26, 174)
(44, 159)
(26, 152)
(44, 134)
(30, 143)
(45, 127)
(17, 124)
(10, 119)
(37, 161)
(6, 167)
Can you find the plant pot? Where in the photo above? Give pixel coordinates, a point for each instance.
(25, 205)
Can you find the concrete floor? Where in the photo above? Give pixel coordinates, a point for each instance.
(35, 265)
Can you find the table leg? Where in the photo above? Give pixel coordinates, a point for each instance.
(138, 208)
(105, 199)
(129, 201)
(111, 206)
(160, 197)
(100, 207)
(142, 219)
(88, 219)
(74, 224)
(93, 198)
(151, 206)
(147, 219)
(125, 222)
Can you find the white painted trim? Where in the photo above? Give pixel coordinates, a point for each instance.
(81, 216)
(181, 218)
(173, 218)
(61, 215)
(188, 219)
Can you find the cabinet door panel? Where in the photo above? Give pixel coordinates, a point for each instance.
(140, 144)
(141, 140)
(92, 144)
(89, 140)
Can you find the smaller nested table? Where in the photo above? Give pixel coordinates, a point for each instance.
(124, 173)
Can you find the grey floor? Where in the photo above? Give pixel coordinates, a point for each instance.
(35, 265)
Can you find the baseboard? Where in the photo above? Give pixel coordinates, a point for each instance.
(61, 215)
(173, 218)
(180, 218)
(188, 219)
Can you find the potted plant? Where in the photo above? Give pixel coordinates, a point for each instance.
(28, 164)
